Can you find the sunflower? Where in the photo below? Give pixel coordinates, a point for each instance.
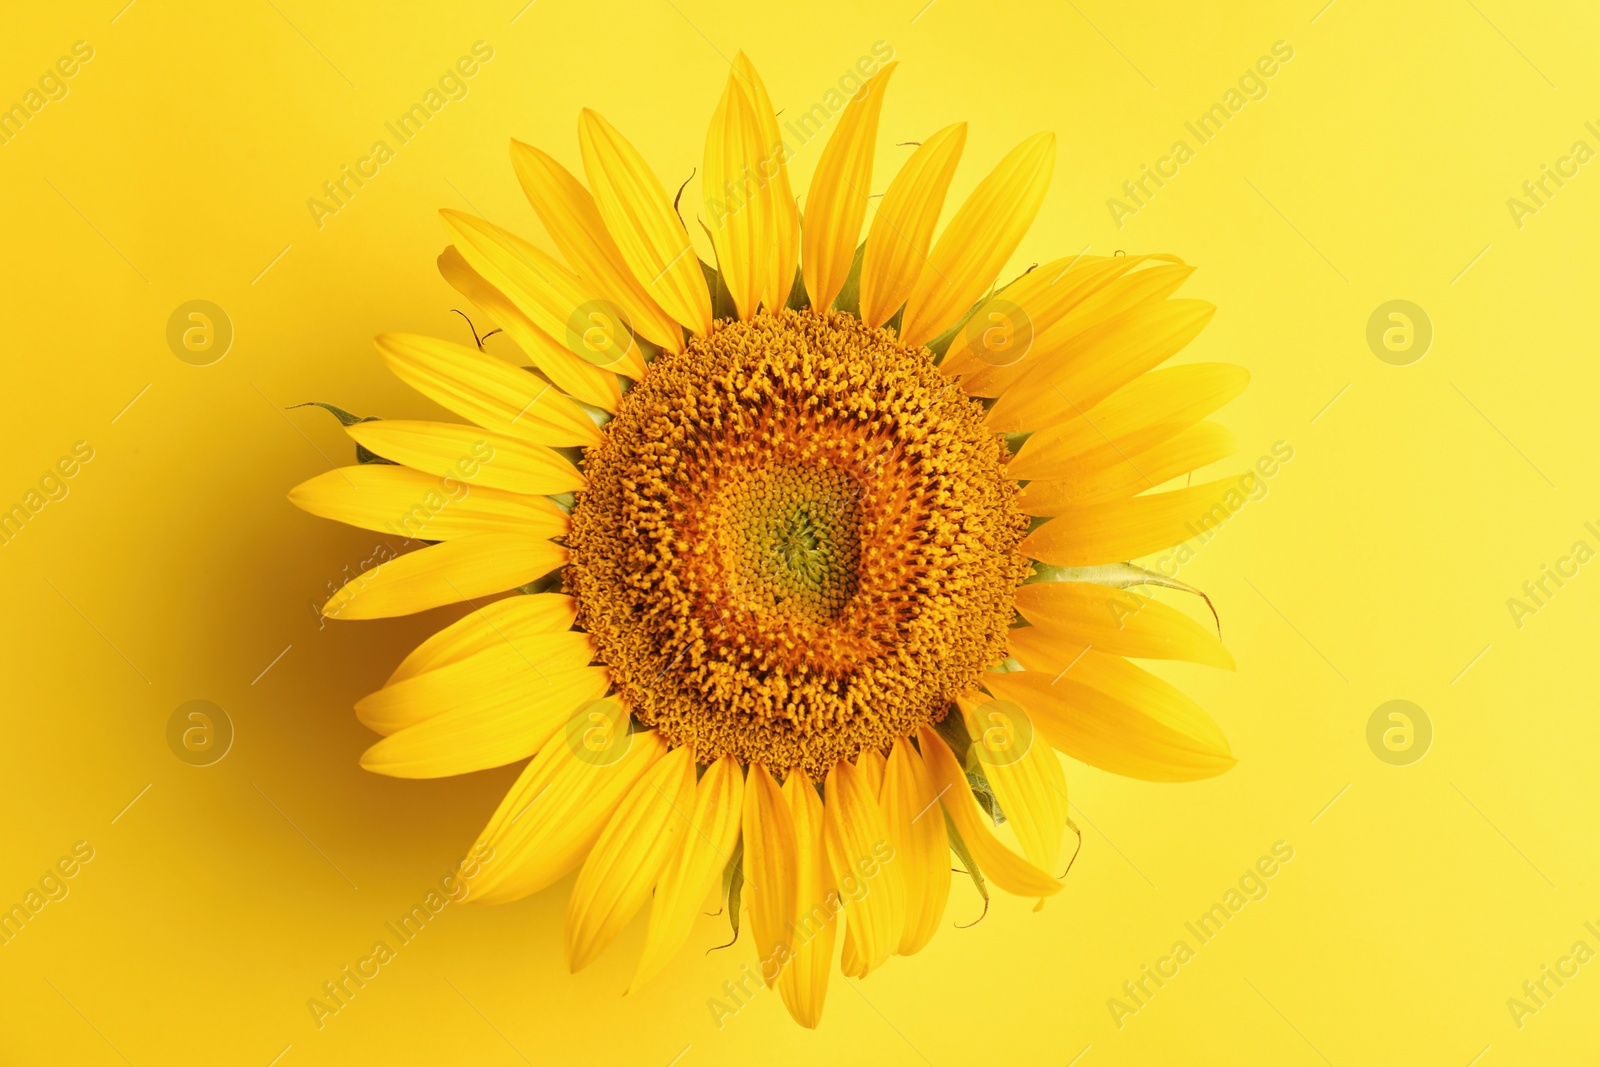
(816, 556)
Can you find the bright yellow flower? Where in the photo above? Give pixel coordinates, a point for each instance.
(783, 537)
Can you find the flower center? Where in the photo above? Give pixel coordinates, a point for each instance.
(793, 538)
(798, 542)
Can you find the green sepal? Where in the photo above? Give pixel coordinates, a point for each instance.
(799, 299)
(551, 581)
(849, 298)
(722, 306)
(1117, 576)
(959, 847)
(733, 888)
(363, 454)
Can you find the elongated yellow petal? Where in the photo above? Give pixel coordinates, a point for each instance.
(414, 505)
(804, 981)
(783, 227)
(513, 665)
(902, 228)
(1200, 445)
(622, 868)
(479, 387)
(567, 372)
(469, 454)
(552, 816)
(1146, 411)
(573, 221)
(448, 573)
(696, 869)
(982, 236)
(1079, 615)
(998, 863)
(1103, 359)
(1128, 529)
(769, 866)
(737, 198)
(1056, 316)
(921, 847)
(858, 848)
(505, 719)
(1024, 773)
(837, 201)
(640, 219)
(509, 621)
(557, 303)
(1115, 716)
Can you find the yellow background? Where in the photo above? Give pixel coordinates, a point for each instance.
(1377, 568)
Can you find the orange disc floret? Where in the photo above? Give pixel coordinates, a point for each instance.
(798, 542)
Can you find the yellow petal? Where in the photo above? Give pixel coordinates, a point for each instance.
(982, 236)
(481, 388)
(557, 303)
(837, 201)
(497, 662)
(860, 857)
(574, 224)
(1128, 529)
(803, 984)
(550, 819)
(640, 219)
(504, 719)
(507, 621)
(737, 198)
(696, 869)
(769, 866)
(1188, 450)
(999, 864)
(1115, 716)
(418, 506)
(921, 848)
(1103, 359)
(622, 868)
(783, 226)
(448, 573)
(1024, 773)
(902, 228)
(469, 454)
(1056, 306)
(1146, 411)
(1078, 615)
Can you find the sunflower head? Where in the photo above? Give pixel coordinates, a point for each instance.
(800, 542)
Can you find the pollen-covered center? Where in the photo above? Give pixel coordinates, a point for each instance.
(792, 538)
(798, 542)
